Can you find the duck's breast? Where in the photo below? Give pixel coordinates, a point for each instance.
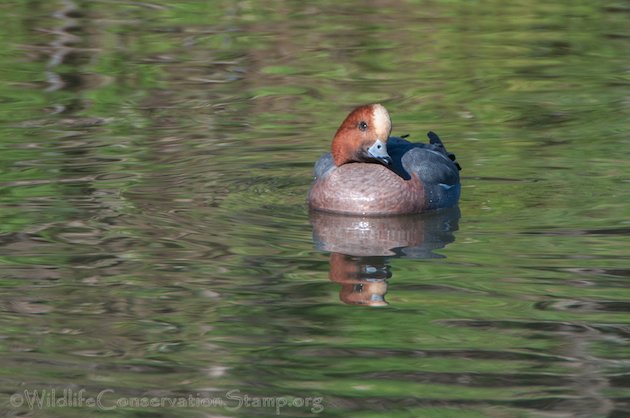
(362, 188)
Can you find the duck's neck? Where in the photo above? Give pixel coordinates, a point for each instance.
(342, 152)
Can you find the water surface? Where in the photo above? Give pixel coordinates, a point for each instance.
(155, 241)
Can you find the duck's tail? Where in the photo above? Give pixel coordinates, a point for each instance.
(434, 139)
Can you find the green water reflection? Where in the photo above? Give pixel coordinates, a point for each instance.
(155, 240)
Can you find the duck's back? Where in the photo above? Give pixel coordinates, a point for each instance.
(422, 177)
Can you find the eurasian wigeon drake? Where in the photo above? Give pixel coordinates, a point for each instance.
(370, 173)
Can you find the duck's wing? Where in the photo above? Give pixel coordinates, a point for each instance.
(431, 162)
(437, 170)
(435, 140)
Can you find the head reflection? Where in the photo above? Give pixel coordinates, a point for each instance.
(363, 280)
(360, 248)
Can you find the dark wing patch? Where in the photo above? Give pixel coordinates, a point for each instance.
(435, 140)
(431, 166)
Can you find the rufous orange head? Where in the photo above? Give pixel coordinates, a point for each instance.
(362, 137)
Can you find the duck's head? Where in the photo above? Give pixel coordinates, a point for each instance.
(362, 137)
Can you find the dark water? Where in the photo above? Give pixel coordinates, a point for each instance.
(157, 253)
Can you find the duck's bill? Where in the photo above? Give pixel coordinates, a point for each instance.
(378, 151)
(384, 160)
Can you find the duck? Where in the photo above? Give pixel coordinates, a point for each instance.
(368, 172)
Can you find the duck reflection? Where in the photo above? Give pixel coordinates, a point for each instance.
(361, 246)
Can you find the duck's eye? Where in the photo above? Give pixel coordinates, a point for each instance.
(363, 126)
